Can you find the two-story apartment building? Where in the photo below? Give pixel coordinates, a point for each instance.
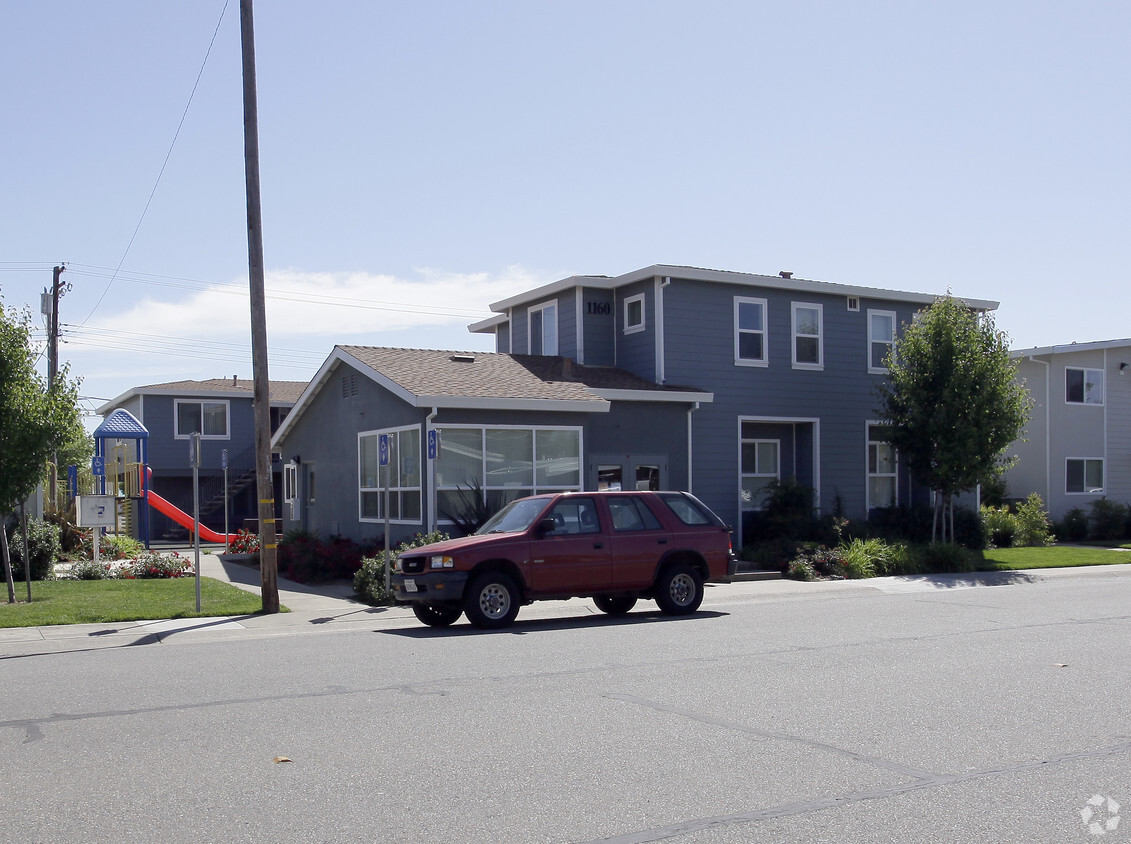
(1077, 446)
(221, 410)
(776, 378)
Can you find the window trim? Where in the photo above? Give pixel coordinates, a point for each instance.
(820, 335)
(380, 490)
(1084, 400)
(177, 435)
(1085, 460)
(551, 305)
(880, 370)
(869, 441)
(637, 327)
(765, 332)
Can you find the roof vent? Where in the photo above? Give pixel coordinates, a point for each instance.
(463, 358)
(785, 274)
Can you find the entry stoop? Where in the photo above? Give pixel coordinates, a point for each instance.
(746, 572)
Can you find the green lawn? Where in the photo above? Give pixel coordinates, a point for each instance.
(1055, 556)
(95, 601)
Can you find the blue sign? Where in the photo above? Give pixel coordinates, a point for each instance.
(72, 481)
(223, 458)
(433, 444)
(383, 448)
(98, 466)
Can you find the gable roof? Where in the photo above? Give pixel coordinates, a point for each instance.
(282, 393)
(491, 381)
(1095, 345)
(778, 282)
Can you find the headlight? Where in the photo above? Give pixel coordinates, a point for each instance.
(442, 562)
(398, 565)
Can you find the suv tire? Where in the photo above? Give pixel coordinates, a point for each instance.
(491, 600)
(437, 615)
(679, 589)
(614, 604)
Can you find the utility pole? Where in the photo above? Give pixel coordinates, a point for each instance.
(53, 366)
(268, 562)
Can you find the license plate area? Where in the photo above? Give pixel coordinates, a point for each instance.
(409, 585)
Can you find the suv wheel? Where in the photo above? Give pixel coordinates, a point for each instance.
(614, 604)
(679, 590)
(491, 600)
(437, 615)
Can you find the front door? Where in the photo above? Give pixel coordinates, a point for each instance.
(574, 556)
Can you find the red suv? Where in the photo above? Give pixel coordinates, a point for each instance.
(614, 547)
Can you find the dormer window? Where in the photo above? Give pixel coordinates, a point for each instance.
(634, 314)
(543, 336)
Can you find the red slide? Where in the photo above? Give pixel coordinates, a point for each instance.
(182, 518)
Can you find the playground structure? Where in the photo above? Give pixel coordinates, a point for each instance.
(121, 471)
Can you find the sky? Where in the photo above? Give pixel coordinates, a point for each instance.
(420, 160)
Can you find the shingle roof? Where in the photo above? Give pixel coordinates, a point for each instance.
(281, 391)
(429, 372)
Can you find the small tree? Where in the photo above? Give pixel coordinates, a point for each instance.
(33, 421)
(952, 402)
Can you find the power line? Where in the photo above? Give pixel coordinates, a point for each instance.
(168, 155)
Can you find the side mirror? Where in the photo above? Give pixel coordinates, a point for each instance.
(547, 525)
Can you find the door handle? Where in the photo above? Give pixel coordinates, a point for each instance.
(662, 541)
(598, 544)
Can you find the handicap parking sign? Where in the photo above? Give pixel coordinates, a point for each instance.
(98, 466)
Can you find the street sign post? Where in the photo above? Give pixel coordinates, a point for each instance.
(383, 454)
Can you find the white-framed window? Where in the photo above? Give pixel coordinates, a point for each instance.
(881, 339)
(290, 490)
(208, 418)
(1083, 475)
(402, 475)
(1083, 386)
(634, 314)
(503, 463)
(750, 340)
(808, 340)
(761, 464)
(542, 329)
(883, 474)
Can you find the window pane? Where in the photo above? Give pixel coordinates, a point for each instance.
(215, 419)
(881, 459)
(808, 350)
(749, 346)
(881, 492)
(879, 355)
(754, 492)
(509, 454)
(1093, 475)
(188, 418)
(608, 477)
(408, 448)
(461, 458)
(1074, 476)
(635, 314)
(410, 506)
(648, 478)
(767, 459)
(536, 332)
(559, 458)
(371, 505)
(749, 458)
(750, 316)
(368, 462)
(498, 498)
(550, 330)
(808, 321)
(1093, 386)
(1074, 385)
(882, 328)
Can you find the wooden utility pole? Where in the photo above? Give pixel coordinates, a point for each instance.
(53, 372)
(268, 563)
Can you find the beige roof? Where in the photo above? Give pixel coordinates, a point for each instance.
(426, 372)
(282, 392)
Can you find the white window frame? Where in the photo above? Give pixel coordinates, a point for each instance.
(870, 441)
(872, 341)
(765, 332)
(545, 306)
(1085, 460)
(634, 328)
(383, 470)
(1085, 370)
(820, 335)
(227, 435)
(534, 487)
(742, 476)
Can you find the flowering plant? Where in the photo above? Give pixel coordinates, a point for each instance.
(244, 542)
(147, 565)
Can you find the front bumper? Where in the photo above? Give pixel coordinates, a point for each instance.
(429, 586)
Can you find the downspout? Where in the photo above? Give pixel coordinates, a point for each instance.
(694, 407)
(660, 373)
(1048, 434)
(431, 473)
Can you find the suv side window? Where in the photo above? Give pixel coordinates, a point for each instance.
(630, 513)
(685, 509)
(574, 516)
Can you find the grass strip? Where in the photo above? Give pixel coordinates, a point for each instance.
(103, 601)
(1054, 556)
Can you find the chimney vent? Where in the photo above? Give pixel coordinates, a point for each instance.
(785, 274)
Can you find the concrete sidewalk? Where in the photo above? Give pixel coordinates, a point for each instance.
(330, 608)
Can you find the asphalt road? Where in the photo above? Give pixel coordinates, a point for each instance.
(920, 713)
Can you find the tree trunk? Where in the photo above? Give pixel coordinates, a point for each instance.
(7, 560)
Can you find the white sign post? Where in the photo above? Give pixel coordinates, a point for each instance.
(383, 452)
(97, 512)
(194, 461)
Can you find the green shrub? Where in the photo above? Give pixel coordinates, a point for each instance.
(800, 568)
(1107, 520)
(1000, 525)
(305, 557)
(787, 512)
(148, 565)
(859, 557)
(938, 557)
(369, 579)
(43, 548)
(771, 553)
(1074, 526)
(913, 524)
(118, 547)
(1032, 523)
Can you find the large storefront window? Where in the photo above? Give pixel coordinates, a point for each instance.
(502, 464)
(402, 475)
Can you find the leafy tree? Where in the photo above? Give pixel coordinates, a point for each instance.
(952, 402)
(34, 421)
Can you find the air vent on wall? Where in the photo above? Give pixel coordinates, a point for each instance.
(853, 303)
(463, 358)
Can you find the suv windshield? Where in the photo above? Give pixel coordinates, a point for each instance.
(516, 516)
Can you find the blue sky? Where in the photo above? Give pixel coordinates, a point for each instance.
(421, 160)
